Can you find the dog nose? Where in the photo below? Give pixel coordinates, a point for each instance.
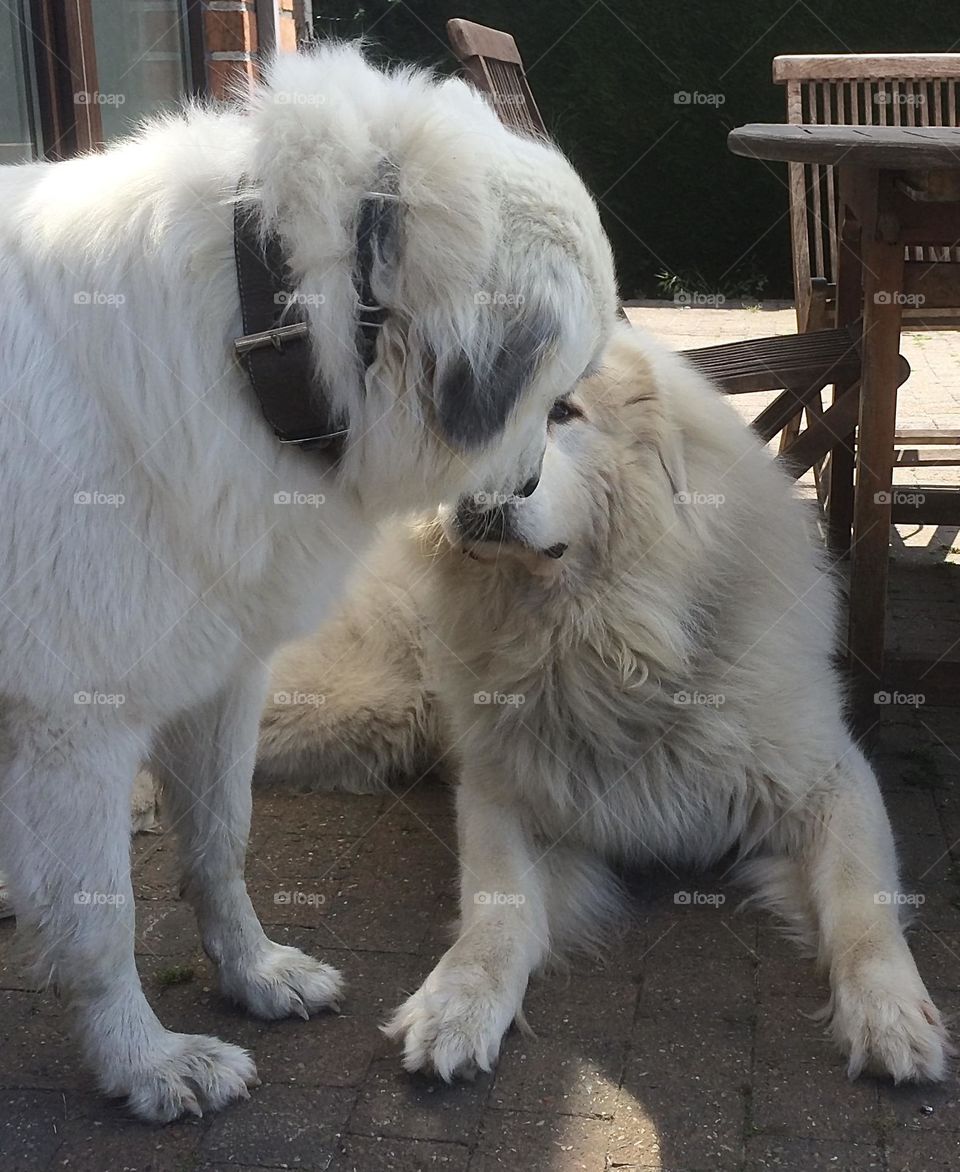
(530, 487)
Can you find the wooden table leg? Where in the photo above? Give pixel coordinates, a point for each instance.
(849, 302)
(882, 255)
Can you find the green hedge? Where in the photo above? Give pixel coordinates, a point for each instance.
(605, 76)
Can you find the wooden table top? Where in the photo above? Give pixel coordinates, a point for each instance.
(897, 148)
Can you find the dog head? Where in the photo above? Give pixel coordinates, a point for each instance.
(613, 475)
(488, 257)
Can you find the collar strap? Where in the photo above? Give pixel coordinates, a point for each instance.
(275, 346)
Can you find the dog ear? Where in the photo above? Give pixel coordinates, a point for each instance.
(474, 398)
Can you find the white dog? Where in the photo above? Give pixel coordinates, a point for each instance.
(633, 665)
(158, 541)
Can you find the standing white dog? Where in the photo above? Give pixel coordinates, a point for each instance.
(158, 542)
(633, 665)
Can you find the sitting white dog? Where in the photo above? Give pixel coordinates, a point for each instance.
(632, 665)
(158, 541)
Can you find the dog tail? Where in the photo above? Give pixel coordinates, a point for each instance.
(348, 709)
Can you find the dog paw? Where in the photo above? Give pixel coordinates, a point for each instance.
(190, 1074)
(888, 1025)
(454, 1023)
(283, 982)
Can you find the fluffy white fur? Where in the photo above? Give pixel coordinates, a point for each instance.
(164, 595)
(662, 691)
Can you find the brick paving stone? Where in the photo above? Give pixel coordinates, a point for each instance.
(524, 1140)
(784, 970)
(938, 957)
(361, 1153)
(400, 1105)
(569, 1005)
(911, 1151)
(683, 1101)
(544, 1074)
(280, 1127)
(37, 1051)
(99, 1136)
(800, 1086)
(31, 1125)
(705, 955)
(811, 1155)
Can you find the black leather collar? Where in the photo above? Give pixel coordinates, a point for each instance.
(275, 346)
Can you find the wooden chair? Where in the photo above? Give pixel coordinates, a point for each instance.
(800, 367)
(492, 63)
(909, 89)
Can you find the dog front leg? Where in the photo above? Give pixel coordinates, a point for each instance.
(65, 837)
(880, 1014)
(204, 762)
(455, 1021)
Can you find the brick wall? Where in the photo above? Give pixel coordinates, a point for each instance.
(231, 40)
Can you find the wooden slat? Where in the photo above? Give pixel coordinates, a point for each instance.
(477, 40)
(927, 458)
(866, 66)
(917, 504)
(822, 435)
(890, 147)
(798, 360)
(924, 436)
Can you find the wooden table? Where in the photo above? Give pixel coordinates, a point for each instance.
(899, 185)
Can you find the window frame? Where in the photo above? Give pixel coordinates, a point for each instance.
(65, 64)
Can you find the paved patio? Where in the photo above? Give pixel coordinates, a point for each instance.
(689, 1050)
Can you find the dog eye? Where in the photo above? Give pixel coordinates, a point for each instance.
(563, 411)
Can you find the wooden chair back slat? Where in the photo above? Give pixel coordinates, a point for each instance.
(918, 89)
(492, 63)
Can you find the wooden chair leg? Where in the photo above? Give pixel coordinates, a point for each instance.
(883, 277)
(840, 515)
